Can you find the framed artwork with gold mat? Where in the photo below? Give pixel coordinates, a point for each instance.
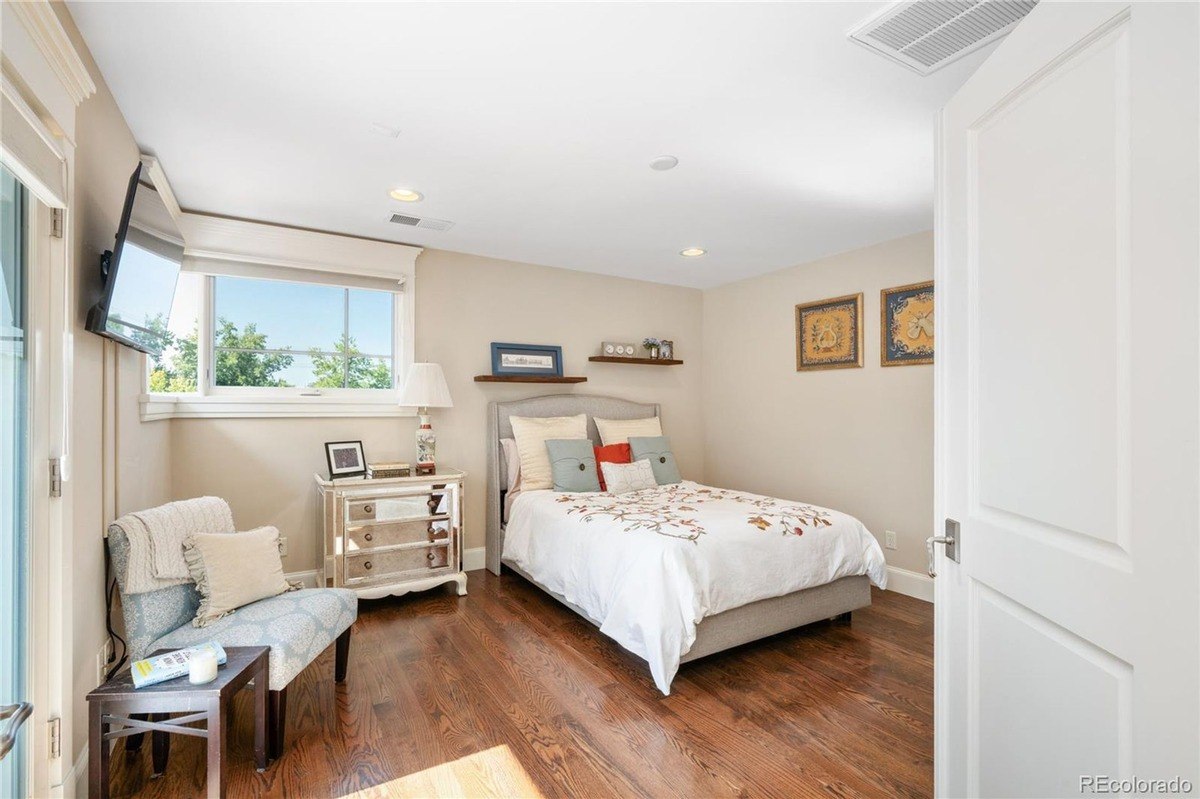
(906, 325)
(829, 334)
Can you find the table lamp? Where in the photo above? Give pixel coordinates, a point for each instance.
(424, 388)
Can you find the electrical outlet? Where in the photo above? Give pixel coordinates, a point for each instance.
(889, 539)
(104, 659)
(109, 653)
(283, 546)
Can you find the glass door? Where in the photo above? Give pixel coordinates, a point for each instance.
(14, 509)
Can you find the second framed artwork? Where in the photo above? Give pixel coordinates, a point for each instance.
(906, 325)
(829, 334)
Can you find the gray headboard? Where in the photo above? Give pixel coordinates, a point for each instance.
(499, 426)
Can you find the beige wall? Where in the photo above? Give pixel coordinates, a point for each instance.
(859, 440)
(265, 467)
(117, 462)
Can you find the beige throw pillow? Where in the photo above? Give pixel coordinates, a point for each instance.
(618, 431)
(234, 569)
(531, 434)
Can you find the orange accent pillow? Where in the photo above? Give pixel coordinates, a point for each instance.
(613, 453)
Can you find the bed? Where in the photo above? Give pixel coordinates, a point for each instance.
(563, 544)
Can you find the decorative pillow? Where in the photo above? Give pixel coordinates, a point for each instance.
(618, 431)
(234, 569)
(613, 453)
(531, 434)
(512, 464)
(573, 464)
(622, 478)
(657, 450)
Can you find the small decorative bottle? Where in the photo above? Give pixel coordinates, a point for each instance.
(426, 444)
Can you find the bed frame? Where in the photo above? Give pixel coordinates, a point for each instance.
(715, 633)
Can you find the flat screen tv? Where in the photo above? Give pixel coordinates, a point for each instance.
(139, 274)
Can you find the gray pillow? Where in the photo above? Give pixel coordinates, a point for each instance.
(572, 464)
(657, 450)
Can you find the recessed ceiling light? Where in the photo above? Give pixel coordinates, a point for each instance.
(693, 252)
(664, 162)
(406, 195)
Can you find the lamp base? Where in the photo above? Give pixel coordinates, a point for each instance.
(426, 446)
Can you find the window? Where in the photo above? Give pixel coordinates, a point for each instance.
(271, 334)
(266, 340)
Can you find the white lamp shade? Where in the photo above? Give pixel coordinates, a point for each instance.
(425, 387)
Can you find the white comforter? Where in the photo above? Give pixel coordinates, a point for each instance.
(647, 566)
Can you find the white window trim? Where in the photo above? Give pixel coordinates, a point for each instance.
(217, 402)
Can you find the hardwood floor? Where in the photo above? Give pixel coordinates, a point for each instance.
(504, 692)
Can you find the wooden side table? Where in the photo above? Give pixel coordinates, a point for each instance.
(115, 704)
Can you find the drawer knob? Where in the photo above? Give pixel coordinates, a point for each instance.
(368, 508)
(369, 537)
(430, 556)
(367, 565)
(662, 458)
(583, 467)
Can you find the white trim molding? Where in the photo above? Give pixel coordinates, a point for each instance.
(51, 39)
(909, 583)
(156, 407)
(474, 559)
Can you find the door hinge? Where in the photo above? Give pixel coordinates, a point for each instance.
(55, 477)
(55, 737)
(56, 222)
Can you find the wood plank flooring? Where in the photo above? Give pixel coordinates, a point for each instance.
(504, 692)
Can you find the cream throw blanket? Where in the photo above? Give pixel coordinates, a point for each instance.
(156, 539)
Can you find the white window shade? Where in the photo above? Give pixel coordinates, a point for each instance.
(233, 268)
(239, 248)
(29, 151)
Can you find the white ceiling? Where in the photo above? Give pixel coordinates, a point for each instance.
(530, 126)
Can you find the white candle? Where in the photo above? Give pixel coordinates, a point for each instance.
(202, 666)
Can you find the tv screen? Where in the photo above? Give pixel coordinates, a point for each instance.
(139, 274)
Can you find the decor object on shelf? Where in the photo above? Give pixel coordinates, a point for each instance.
(651, 346)
(345, 459)
(392, 536)
(616, 349)
(526, 359)
(425, 387)
(666, 349)
(829, 334)
(906, 325)
(379, 471)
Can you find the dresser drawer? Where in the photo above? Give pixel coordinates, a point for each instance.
(388, 509)
(373, 565)
(386, 534)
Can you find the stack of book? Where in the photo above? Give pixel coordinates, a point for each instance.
(377, 471)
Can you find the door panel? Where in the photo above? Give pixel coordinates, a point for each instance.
(1068, 405)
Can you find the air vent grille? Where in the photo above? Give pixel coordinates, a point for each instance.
(420, 222)
(926, 35)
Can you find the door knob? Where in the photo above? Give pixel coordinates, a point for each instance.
(16, 715)
(951, 542)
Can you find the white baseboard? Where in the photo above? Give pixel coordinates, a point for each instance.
(913, 584)
(474, 558)
(308, 578)
(75, 783)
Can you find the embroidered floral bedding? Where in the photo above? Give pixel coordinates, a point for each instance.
(649, 565)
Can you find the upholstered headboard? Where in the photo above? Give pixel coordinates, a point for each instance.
(499, 426)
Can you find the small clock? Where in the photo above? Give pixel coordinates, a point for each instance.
(617, 349)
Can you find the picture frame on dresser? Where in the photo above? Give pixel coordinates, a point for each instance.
(345, 459)
(390, 536)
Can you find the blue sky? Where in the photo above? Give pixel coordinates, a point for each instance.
(145, 287)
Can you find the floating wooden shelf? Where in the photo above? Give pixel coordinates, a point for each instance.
(527, 379)
(644, 361)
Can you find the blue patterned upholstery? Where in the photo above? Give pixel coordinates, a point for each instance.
(298, 625)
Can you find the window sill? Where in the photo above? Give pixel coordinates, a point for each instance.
(156, 407)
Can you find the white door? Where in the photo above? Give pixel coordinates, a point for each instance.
(1068, 406)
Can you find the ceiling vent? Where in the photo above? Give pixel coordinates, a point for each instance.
(926, 35)
(416, 221)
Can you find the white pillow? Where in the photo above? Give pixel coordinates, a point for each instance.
(531, 434)
(621, 478)
(512, 463)
(234, 569)
(618, 431)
